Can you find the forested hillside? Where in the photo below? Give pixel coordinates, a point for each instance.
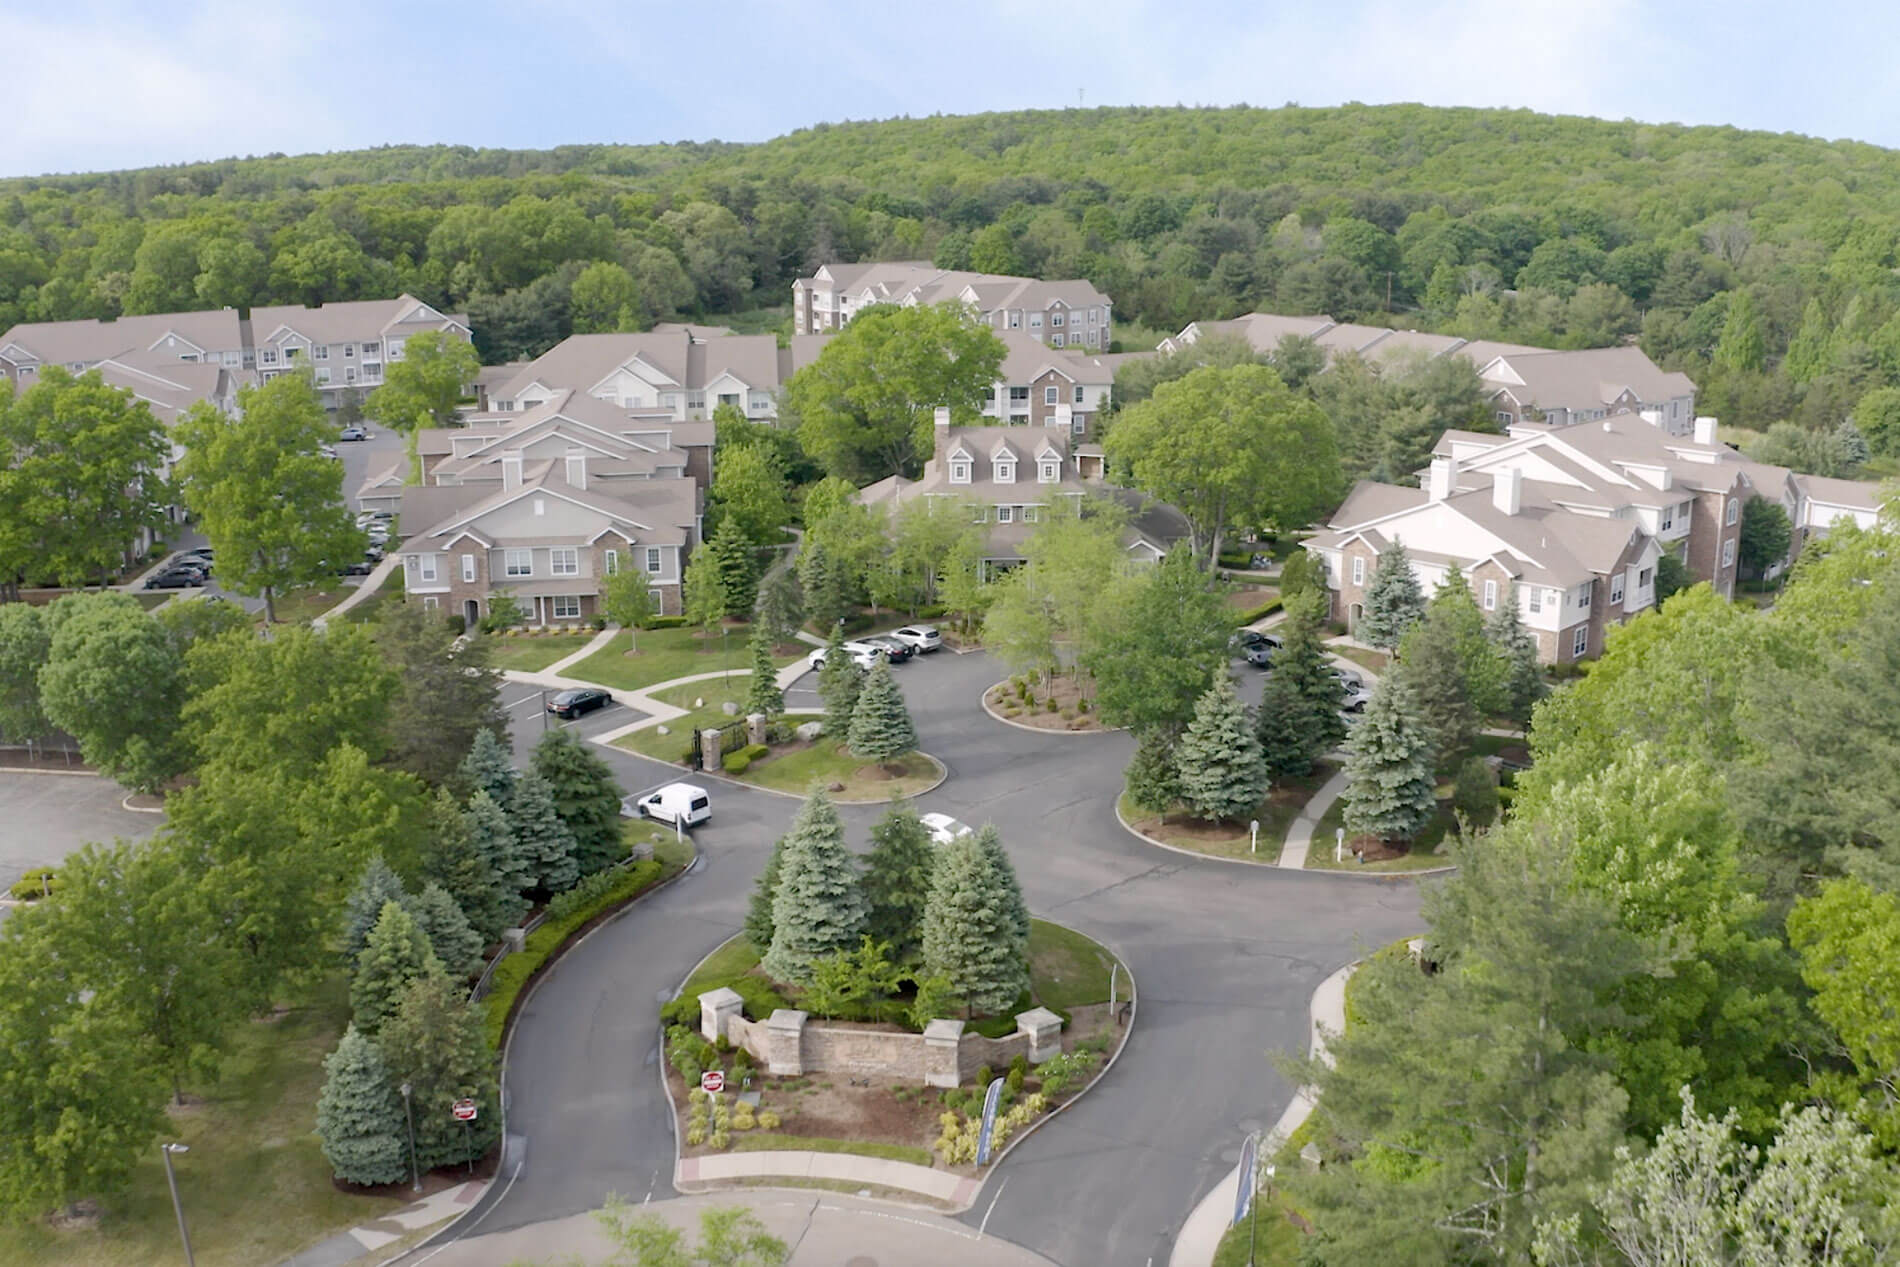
(1763, 264)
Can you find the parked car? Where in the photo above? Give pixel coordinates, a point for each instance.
(364, 518)
(327, 450)
(895, 650)
(1355, 699)
(576, 702)
(943, 828)
(356, 567)
(202, 568)
(378, 534)
(175, 579)
(921, 638)
(864, 653)
(682, 804)
(355, 431)
(1256, 648)
(1349, 679)
(375, 552)
(202, 552)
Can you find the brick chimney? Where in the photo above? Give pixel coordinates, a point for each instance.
(1443, 480)
(511, 469)
(577, 469)
(1507, 491)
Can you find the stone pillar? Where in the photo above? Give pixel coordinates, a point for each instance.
(784, 1036)
(755, 728)
(941, 1042)
(709, 754)
(715, 1008)
(1045, 1033)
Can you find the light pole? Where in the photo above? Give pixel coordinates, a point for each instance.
(1253, 1215)
(415, 1176)
(171, 1180)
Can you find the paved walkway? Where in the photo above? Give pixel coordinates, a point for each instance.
(939, 1185)
(1300, 835)
(371, 583)
(346, 1247)
(1200, 1235)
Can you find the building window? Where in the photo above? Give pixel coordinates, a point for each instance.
(372, 349)
(1616, 589)
(1035, 321)
(429, 603)
(658, 600)
(1056, 319)
(1668, 518)
(1005, 472)
(1051, 395)
(1056, 339)
(1580, 642)
(1094, 313)
(1031, 514)
(1005, 514)
(1734, 509)
(518, 563)
(1728, 552)
(1537, 599)
(959, 472)
(1358, 570)
(1015, 320)
(1079, 394)
(425, 567)
(653, 560)
(564, 561)
(349, 374)
(1019, 395)
(979, 514)
(567, 607)
(321, 351)
(1504, 416)
(1643, 578)
(1490, 595)
(323, 374)
(1094, 337)
(1051, 472)
(1583, 596)
(468, 567)
(610, 560)
(349, 351)
(270, 356)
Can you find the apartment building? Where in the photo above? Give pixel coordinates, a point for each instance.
(345, 345)
(1572, 519)
(1011, 477)
(1378, 344)
(1562, 388)
(675, 371)
(1060, 314)
(1041, 386)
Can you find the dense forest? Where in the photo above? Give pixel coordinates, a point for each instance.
(1762, 264)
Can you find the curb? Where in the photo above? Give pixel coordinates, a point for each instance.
(984, 701)
(125, 803)
(68, 774)
(942, 778)
(1386, 876)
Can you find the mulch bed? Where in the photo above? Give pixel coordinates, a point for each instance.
(1066, 692)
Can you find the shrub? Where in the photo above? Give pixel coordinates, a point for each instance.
(663, 622)
(1261, 612)
(34, 884)
(1049, 705)
(1059, 1072)
(458, 623)
(1082, 705)
(753, 751)
(695, 1135)
(597, 624)
(932, 611)
(1474, 793)
(983, 1076)
(737, 763)
(768, 1120)
(742, 1118)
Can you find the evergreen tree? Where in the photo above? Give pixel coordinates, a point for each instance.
(990, 841)
(826, 583)
(450, 859)
(493, 838)
(435, 1042)
(838, 685)
(489, 768)
(542, 839)
(897, 875)
(1389, 787)
(455, 942)
(359, 1115)
(396, 953)
(1454, 670)
(1393, 601)
(780, 606)
(1523, 679)
(881, 728)
(970, 936)
(1218, 761)
(732, 555)
(1298, 720)
(586, 796)
(1280, 728)
(762, 693)
(705, 585)
(378, 887)
(758, 914)
(1153, 776)
(819, 906)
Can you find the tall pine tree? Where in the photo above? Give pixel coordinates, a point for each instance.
(450, 935)
(396, 953)
(450, 859)
(435, 1042)
(758, 913)
(732, 554)
(897, 875)
(1153, 775)
(762, 693)
(881, 729)
(378, 887)
(819, 907)
(990, 841)
(970, 939)
(1393, 602)
(1389, 786)
(359, 1116)
(1298, 720)
(1454, 670)
(780, 606)
(838, 685)
(489, 768)
(493, 837)
(586, 796)
(542, 838)
(1218, 761)
(1523, 679)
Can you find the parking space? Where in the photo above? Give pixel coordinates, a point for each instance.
(525, 706)
(47, 816)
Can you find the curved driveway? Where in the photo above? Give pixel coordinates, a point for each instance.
(1225, 957)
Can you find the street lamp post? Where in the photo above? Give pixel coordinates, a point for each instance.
(415, 1176)
(1253, 1215)
(171, 1180)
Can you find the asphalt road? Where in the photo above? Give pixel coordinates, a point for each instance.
(1225, 958)
(44, 817)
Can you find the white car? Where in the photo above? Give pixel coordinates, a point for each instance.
(1354, 699)
(1349, 679)
(864, 653)
(943, 828)
(681, 804)
(921, 638)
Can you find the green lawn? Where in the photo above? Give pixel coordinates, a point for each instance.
(828, 761)
(531, 654)
(665, 654)
(255, 1187)
(301, 605)
(1421, 857)
(1231, 840)
(715, 693)
(1372, 660)
(1066, 969)
(148, 599)
(772, 1141)
(1274, 1241)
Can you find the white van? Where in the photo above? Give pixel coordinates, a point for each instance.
(681, 804)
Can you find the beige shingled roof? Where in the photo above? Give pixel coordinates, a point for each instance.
(66, 342)
(1588, 379)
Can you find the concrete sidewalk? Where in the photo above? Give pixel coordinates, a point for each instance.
(1299, 837)
(371, 583)
(1200, 1235)
(938, 1185)
(346, 1247)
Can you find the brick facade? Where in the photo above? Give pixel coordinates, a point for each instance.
(1709, 533)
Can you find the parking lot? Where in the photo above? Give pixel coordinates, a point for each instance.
(47, 816)
(528, 719)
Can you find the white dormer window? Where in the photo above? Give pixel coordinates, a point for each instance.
(1005, 472)
(1050, 472)
(1668, 518)
(959, 472)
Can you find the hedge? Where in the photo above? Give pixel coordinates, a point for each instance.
(737, 761)
(567, 915)
(663, 622)
(28, 887)
(1265, 609)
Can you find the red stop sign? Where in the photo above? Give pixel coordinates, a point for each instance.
(464, 1110)
(712, 1081)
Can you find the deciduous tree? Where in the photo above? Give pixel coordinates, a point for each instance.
(435, 1042)
(626, 598)
(1766, 534)
(114, 680)
(1155, 637)
(25, 642)
(424, 387)
(445, 691)
(749, 490)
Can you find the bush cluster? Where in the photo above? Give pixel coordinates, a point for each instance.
(35, 884)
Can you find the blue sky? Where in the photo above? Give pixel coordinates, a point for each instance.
(114, 83)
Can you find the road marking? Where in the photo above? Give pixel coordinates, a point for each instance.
(984, 1225)
(525, 699)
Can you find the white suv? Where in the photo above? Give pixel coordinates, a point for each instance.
(864, 653)
(920, 637)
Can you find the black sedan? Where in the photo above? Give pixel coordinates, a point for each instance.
(176, 579)
(575, 703)
(896, 650)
